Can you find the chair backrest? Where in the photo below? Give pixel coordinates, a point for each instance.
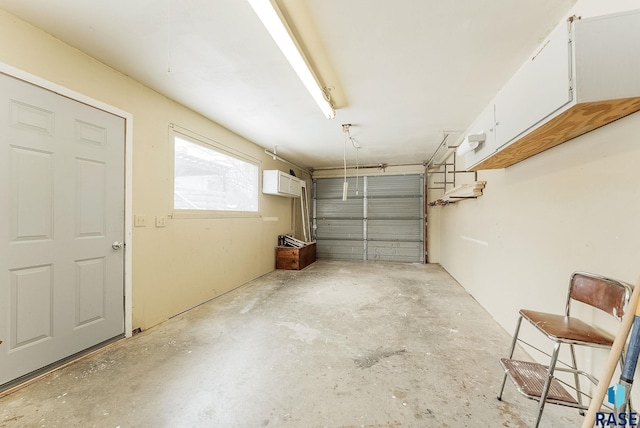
(606, 294)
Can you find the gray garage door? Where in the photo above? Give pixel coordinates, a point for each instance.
(383, 221)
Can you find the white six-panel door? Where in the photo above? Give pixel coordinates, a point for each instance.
(61, 209)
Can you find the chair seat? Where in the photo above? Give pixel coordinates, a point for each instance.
(567, 329)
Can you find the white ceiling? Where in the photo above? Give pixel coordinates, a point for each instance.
(404, 72)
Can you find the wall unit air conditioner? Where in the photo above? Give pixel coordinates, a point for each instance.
(276, 182)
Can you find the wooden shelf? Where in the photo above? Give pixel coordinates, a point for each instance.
(570, 124)
(459, 193)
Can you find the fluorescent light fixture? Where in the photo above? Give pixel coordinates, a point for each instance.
(470, 142)
(275, 24)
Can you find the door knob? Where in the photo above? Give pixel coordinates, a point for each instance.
(117, 245)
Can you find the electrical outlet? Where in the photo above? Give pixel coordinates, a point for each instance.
(139, 221)
(161, 221)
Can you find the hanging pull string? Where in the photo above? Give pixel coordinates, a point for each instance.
(344, 154)
(356, 146)
(357, 186)
(345, 186)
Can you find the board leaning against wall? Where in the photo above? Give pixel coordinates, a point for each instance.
(382, 218)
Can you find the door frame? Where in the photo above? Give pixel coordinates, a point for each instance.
(128, 153)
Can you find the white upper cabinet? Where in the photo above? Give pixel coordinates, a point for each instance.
(586, 74)
(275, 182)
(539, 88)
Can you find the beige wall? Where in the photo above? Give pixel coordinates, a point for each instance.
(190, 260)
(573, 207)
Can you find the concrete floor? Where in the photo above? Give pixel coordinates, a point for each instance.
(336, 345)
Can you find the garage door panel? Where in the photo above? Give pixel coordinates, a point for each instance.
(394, 251)
(395, 230)
(395, 208)
(340, 229)
(340, 250)
(394, 185)
(332, 208)
(332, 188)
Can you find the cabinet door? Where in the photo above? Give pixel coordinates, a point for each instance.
(606, 57)
(537, 90)
(284, 183)
(294, 187)
(484, 124)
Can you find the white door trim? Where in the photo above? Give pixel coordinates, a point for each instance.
(128, 216)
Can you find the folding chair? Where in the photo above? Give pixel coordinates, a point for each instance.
(537, 381)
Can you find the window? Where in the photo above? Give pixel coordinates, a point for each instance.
(207, 178)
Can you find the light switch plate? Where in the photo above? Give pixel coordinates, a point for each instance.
(161, 221)
(139, 220)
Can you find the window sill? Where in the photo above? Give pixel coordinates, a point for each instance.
(204, 214)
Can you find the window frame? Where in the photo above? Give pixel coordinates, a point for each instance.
(192, 137)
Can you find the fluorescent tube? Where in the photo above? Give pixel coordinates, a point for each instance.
(275, 24)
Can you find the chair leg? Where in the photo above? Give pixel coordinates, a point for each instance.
(576, 377)
(547, 384)
(514, 341)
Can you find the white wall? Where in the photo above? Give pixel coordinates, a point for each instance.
(573, 207)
